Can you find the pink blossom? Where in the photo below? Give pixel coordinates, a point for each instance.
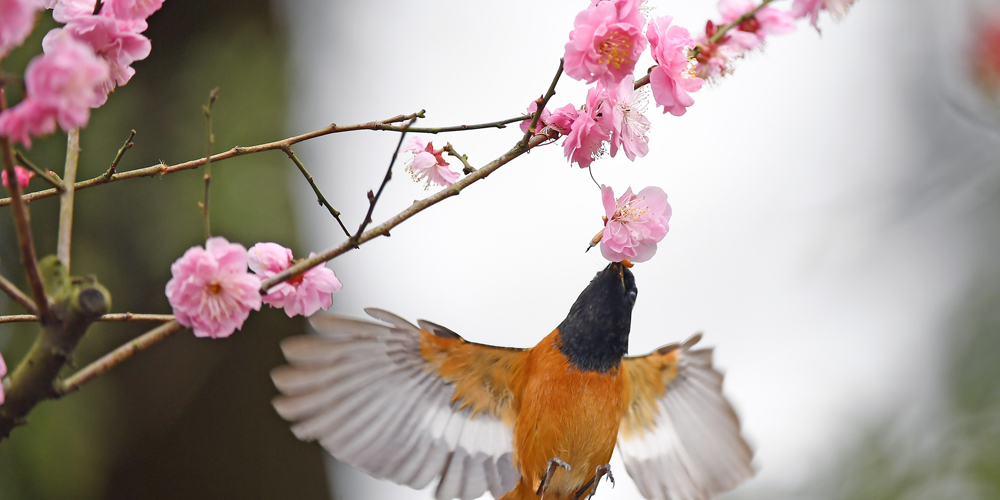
(211, 290)
(605, 42)
(562, 119)
(135, 9)
(985, 53)
(304, 294)
(634, 223)
(543, 119)
(17, 20)
(715, 58)
(628, 125)
(66, 11)
(62, 85)
(671, 81)
(117, 46)
(585, 141)
(767, 20)
(3, 371)
(22, 174)
(811, 8)
(428, 164)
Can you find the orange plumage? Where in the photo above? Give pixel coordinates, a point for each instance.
(414, 404)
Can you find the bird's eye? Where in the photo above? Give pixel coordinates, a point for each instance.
(632, 294)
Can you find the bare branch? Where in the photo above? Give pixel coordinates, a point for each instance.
(20, 297)
(312, 183)
(118, 157)
(66, 200)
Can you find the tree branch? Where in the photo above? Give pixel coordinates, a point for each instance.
(66, 200)
(541, 106)
(22, 221)
(20, 297)
(115, 317)
(209, 140)
(115, 357)
(121, 152)
(312, 183)
(43, 174)
(373, 199)
(466, 168)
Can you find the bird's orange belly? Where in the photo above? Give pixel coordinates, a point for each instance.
(571, 415)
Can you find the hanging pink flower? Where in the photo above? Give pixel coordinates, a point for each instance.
(628, 125)
(767, 21)
(17, 20)
(304, 294)
(22, 174)
(634, 223)
(811, 8)
(543, 119)
(671, 80)
(3, 371)
(605, 42)
(211, 290)
(116, 46)
(428, 164)
(585, 141)
(62, 85)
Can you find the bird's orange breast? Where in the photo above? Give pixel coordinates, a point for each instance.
(563, 412)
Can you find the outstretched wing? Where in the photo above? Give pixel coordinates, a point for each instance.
(403, 403)
(680, 438)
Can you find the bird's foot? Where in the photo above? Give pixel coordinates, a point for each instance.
(590, 488)
(554, 463)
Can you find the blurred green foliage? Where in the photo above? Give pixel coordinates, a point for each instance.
(190, 418)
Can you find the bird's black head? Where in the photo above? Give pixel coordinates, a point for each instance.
(594, 335)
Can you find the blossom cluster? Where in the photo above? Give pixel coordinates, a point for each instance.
(82, 61)
(212, 291)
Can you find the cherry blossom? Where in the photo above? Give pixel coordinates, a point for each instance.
(628, 125)
(17, 19)
(304, 294)
(22, 174)
(543, 119)
(671, 81)
(811, 8)
(766, 21)
(62, 85)
(211, 290)
(985, 53)
(135, 9)
(562, 119)
(605, 42)
(428, 164)
(585, 141)
(634, 223)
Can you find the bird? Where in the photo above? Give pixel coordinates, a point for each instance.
(414, 403)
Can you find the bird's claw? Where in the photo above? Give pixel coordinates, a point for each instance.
(550, 469)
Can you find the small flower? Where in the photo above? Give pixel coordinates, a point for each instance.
(585, 141)
(671, 81)
(811, 8)
(304, 294)
(211, 290)
(428, 164)
(634, 223)
(17, 19)
(3, 371)
(135, 9)
(628, 125)
(23, 176)
(561, 120)
(715, 59)
(62, 85)
(543, 119)
(985, 54)
(766, 21)
(605, 42)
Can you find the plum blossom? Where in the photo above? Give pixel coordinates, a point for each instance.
(62, 85)
(543, 119)
(766, 21)
(985, 54)
(3, 371)
(671, 81)
(211, 290)
(17, 19)
(135, 9)
(634, 223)
(628, 125)
(428, 164)
(605, 42)
(22, 174)
(811, 8)
(304, 294)
(562, 119)
(715, 59)
(585, 141)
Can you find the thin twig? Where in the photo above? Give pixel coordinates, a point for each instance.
(66, 200)
(118, 157)
(20, 297)
(22, 221)
(113, 317)
(116, 356)
(163, 169)
(541, 102)
(373, 198)
(209, 140)
(43, 174)
(458, 128)
(466, 169)
(312, 183)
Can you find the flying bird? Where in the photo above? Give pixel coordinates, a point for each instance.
(414, 403)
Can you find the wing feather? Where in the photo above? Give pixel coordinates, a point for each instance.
(680, 438)
(403, 403)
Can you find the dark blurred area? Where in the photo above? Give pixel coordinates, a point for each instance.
(189, 418)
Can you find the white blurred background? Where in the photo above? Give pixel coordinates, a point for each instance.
(823, 232)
